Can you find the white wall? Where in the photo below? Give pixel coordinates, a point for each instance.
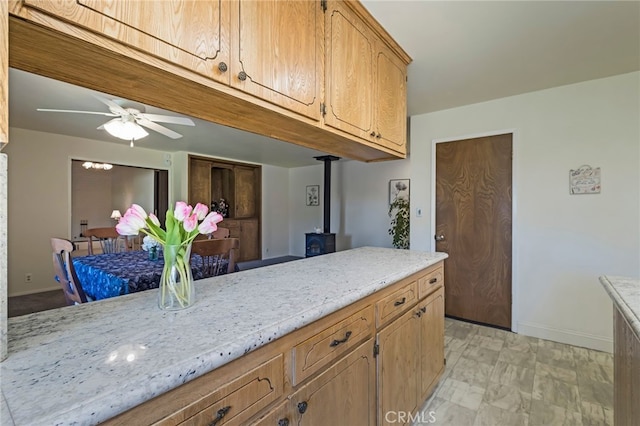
(131, 185)
(39, 199)
(275, 214)
(562, 242)
(304, 218)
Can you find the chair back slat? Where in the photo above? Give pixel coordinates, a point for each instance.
(109, 239)
(65, 271)
(217, 256)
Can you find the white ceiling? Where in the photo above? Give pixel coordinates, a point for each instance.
(463, 52)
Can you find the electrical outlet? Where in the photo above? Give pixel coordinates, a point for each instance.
(28, 277)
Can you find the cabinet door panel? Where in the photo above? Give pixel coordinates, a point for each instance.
(278, 45)
(391, 100)
(431, 341)
(199, 182)
(349, 75)
(245, 192)
(249, 240)
(398, 368)
(189, 33)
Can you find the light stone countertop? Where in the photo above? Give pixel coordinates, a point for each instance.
(625, 293)
(83, 364)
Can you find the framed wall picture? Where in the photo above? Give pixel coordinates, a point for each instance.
(398, 188)
(584, 180)
(313, 195)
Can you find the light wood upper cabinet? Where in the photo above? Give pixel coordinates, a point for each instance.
(190, 33)
(390, 106)
(366, 89)
(277, 52)
(349, 72)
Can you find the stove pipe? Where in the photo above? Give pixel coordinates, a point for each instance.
(327, 190)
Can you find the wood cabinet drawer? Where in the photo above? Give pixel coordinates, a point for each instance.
(239, 400)
(396, 303)
(326, 346)
(431, 282)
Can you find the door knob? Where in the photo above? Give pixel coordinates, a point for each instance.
(439, 237)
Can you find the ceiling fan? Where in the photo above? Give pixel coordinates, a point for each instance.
(130, 119)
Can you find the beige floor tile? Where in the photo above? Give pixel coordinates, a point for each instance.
(592, 370)
(557, 357)
(451, 358)
(596, 392)
(556, 392)
(520, 343)
(519, 358)
(548, 415)
(507, 398)
(480, 354)
(493, 343)
(512, 375)
(584, 354)
(472, 372)
(455, 344)
(461, 393)
(446, 413)
(564, 374)
(596, 415)
(488, 415)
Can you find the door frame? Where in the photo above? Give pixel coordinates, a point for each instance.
(514, 211)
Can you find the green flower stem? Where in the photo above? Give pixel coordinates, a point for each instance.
(176, 278)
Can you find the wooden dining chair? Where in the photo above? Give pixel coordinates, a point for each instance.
(109, 239)
(217, 256)
(66, 273)
(217, 234)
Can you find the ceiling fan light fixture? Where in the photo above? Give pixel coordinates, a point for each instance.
(126, 129)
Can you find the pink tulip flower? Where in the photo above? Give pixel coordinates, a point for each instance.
(201, 210)
(182, 211)
(190, 223)
(129, 225)
(208, 225)
(154, 219)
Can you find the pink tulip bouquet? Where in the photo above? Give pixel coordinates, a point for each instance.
(182, 225)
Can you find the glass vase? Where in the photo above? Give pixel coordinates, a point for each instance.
(153, 253)
(176, 283)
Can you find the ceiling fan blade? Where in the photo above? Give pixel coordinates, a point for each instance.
(158, 128)
(101, 127)
(108, 114)
(167, 119)
(113, 107)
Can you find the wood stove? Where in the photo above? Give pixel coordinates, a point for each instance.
(325, 242)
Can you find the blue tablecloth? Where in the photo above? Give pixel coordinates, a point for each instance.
(114, 274)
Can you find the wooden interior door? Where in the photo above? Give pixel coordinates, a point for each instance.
(473, 225)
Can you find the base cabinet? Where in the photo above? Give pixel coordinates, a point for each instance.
(626, 372)
(411, 359)
(345, 394)
(373, 362)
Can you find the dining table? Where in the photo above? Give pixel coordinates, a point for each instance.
(115, 274)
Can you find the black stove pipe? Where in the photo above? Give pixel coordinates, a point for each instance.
(327, 190)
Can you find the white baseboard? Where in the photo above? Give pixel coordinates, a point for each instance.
(569, 337)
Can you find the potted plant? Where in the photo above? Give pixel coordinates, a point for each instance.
(399, 230)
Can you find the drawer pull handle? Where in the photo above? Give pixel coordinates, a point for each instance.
(337, 342)
(302, 407)
(220, 414)
(400, 302)
(283, 422)
(433, 280)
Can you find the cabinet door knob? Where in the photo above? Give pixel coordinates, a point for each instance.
(372, 134)
(222, 67)
(242, 76)
(378, 136)
(302, 407)
(283, 422)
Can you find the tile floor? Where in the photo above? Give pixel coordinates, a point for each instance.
(498, 378)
